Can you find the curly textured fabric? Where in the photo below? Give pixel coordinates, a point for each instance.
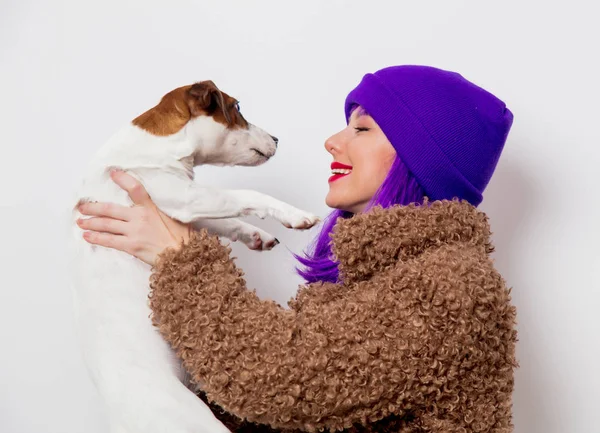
(420, 337)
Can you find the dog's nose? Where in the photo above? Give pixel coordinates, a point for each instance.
(275, 139)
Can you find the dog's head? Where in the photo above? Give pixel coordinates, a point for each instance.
(213, 122)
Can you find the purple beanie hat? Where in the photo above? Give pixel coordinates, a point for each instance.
(448, 131)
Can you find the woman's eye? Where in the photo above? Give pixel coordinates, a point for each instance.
(361, 129)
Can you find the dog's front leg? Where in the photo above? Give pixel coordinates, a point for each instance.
(205, 202)
(188, 202)
(236, 230)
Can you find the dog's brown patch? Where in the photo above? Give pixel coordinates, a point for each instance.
(181, 105)
(206, 99)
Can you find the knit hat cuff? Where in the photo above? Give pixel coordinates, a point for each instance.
(434, 171)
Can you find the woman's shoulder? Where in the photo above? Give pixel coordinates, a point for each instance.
(370, 243)
(439, 250)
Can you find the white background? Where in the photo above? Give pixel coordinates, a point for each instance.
(72, 72)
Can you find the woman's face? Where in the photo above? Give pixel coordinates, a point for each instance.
(362, 157)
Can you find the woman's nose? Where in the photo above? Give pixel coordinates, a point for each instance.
(332, 144)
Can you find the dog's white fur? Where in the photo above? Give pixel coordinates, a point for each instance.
(134, 370)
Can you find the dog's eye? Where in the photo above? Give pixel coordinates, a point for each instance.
(237, 106)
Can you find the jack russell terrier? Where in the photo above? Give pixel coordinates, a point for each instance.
(135, 371)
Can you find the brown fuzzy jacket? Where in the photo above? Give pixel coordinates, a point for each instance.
(420, 337)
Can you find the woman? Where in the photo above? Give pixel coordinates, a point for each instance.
(404, 325)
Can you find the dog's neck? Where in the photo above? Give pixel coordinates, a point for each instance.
(134, 148)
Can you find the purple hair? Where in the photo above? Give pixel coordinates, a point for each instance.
(399, 188)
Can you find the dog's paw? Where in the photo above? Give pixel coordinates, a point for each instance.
(258, 240)
(297, 219)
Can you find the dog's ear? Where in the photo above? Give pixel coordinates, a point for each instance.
(206, 98)
(168, 116)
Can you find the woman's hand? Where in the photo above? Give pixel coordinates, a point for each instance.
(141, 230)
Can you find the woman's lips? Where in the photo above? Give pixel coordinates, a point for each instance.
(336, 177)
(336, 164)
(339, 170)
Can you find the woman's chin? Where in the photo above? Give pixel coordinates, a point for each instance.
(335, 203)
(331, 203)
(331, 200)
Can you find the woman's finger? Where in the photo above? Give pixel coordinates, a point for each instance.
(99, 224)
(110, 210)
(107, 240)
(134, 188)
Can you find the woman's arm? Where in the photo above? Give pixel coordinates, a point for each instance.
(400, 340)
(341, 355)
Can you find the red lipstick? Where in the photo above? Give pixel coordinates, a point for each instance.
(336, 164)
(339, 166)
